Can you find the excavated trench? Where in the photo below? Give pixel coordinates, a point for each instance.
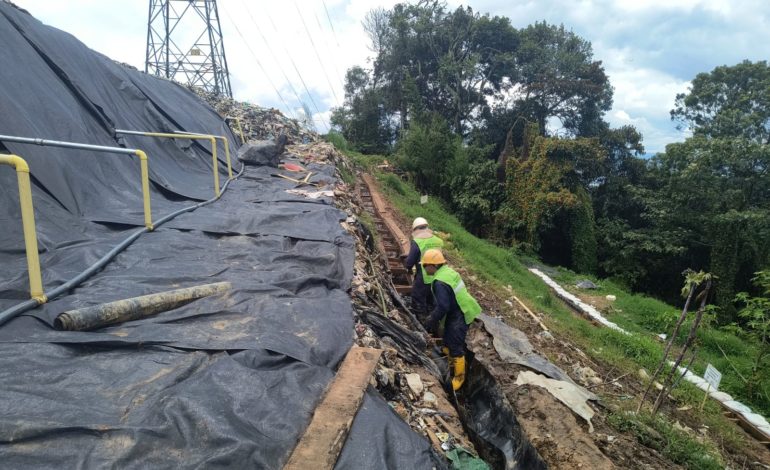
(484, 410)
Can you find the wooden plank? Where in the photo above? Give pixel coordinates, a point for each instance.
(322, 442)
(432, 434)
(404, 289)
(531, 313)
(383, 211)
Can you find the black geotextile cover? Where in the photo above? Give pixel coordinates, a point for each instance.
(226, 381)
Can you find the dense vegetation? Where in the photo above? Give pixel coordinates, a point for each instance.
(507, 127)
(503, 271)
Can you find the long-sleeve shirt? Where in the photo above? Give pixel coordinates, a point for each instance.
(413, 258)
(446, 303)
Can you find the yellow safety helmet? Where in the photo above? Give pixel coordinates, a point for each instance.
(433, 256)
(419, 222)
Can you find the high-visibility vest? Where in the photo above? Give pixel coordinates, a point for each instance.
(425, 244)
(470, 308)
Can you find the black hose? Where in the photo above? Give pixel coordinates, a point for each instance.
(18, 309)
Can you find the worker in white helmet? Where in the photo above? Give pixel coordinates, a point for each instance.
(423, 239)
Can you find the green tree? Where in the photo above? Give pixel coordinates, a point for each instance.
(475, 192)
(426, 150)
(456, 59)
(362, 119)
(729, 101)
(560, 79)
(704, 203)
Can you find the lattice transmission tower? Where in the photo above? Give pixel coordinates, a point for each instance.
(184, 43)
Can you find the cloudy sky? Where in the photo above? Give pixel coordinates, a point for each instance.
(650, 48)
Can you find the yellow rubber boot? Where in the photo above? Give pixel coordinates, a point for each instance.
(459, 376)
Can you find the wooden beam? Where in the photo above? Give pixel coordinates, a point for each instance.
(384, 212)
(531, 313)
(324, 438)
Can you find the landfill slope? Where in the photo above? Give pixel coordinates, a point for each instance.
(230, 380)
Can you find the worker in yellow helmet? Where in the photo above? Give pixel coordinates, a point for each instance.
(454, 305)
(423, 240)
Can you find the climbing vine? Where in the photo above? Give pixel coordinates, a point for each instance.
(547, 207)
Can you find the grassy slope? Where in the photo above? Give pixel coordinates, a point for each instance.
(500, 267)
(646, 315)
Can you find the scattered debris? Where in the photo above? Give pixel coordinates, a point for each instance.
(586, 375)
(413, 388)
(311, 194)
(513, 347)
(315, 152)
(291, 167)
(545, 335)
(258, 123)
(586, 284)
(415, 384)
(462, 459)
(531, 313)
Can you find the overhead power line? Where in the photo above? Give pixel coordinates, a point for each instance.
(294, 65)
(256, 59)
(328, 49)
(320, 62)
(270, 49)
(331, 25)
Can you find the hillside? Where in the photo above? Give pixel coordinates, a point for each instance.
(608, 362)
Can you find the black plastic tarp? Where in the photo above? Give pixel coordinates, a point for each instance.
(226, 381)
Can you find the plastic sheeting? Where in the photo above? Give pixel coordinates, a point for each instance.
(229, 380)
(377, 431)
(514, 347)
(492, 421)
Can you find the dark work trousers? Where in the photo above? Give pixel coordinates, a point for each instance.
(420, 294)
(455, 330)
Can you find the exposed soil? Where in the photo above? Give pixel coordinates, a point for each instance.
(560, 436)
(625, 450)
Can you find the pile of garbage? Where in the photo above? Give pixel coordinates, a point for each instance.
(405, 375)
(257, 123)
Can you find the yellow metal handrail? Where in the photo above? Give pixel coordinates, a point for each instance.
(145, 188)
(28, 225)
(240, 129)
(212, 139)
(226, 145)
(98, 148)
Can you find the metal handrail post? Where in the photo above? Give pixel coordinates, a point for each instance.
(28, 225)
(145, 188)
(226, 145)
(240, 129)
(143, 162)
(227, 155)
(167, 135)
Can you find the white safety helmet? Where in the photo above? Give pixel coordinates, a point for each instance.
(419, 222)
